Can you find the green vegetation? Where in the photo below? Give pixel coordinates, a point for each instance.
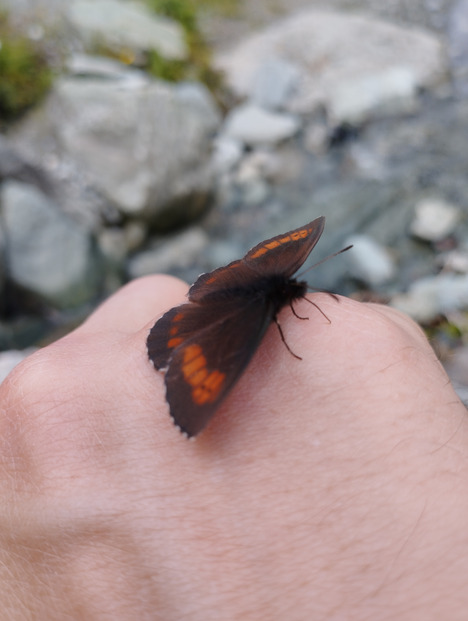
(25, 75)
(198, 65)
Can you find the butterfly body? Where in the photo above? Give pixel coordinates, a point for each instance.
(205, 344)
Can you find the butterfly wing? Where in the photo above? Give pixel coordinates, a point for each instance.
(205, 350)
(283, 254)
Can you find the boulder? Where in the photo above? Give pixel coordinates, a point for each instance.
(47, 254)
(144, 146)
(378, 66)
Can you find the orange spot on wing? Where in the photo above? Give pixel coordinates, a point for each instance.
(174, 342)
(206, 385)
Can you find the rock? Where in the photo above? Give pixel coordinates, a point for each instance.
(252, 125)
(454, 261)
(390, 92)
(458, 45)
(274, 82)
(429, 297)
(116, 243)
(227, 153)
(145, 148)
(434, 219)
(334, 53)
(101, 67)
(179, 251)
(316, 138)
(47, 254)
(13, 166)
(9, 359)
(128, 25)
(369, 261)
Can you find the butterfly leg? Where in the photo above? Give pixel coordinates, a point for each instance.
(294, 312)
(283, 339)
(318, 307)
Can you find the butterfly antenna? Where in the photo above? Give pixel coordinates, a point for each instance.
(330, 256)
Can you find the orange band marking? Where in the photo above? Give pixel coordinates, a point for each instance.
(301, 234)
(206, 384)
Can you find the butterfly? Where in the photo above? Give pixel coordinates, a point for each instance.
(205, 344)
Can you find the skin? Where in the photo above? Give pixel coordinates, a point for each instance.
(335, 487)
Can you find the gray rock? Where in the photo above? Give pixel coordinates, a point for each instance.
(369, 261)
(458, 44)
(454, 260)
(9, 359)
(434, 219)
(130, 25)
(335, 52)
(13, 166)
(253, 125)
(85, 65)
(143, 147)
(432, 296)
(47, 254)
(390, 92)
(177, 252)
(260, 164)
(274, 83)
(116, 243)
(227, 153)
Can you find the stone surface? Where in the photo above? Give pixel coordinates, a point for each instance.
(142, 147)
(128, 25)
(336, 51)
(179, 250)
(274, 83)
(369, 261)
(227, 153)
(429, 297)
(47, 254)
(392, 91)
(253, 125)
(458, 45)
(434, 219)
(101, 67)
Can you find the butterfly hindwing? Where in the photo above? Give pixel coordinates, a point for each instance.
(210, 357)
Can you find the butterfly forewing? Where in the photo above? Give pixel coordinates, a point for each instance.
(284, 254)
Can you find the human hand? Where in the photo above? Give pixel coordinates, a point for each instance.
(329, 488)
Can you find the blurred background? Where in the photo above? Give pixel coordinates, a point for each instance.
(172, 135)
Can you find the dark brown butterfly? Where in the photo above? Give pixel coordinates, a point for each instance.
(205, 344)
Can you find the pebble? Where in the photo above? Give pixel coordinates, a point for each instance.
(178, 250)
(274, 82)
(434, 219)
(129, 25)
(253, 125)
(370, 262)
(432, 296)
